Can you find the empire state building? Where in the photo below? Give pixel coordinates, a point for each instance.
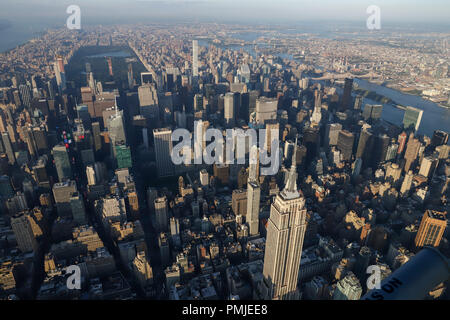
(285, 233)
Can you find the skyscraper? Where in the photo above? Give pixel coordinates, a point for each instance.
(62, 162)
(142, 269)
(412, 118)
(332, 134)
(229, 110)
(391, 151)
(90, 174)
(22, 228)
(372, 112)
(311, 139)
(204, 177)
(358, 102)
(357, 164)
(198, 102)
(6, 190)
(195, 58)
(40, 140)
(146, 78)
(266, 109)
(123, 156)
(8, 148)
(111, 208)
(345, 144)
(40, 172)
(402, 137)
(439, 138)
(96, 135)
(377, 110)
(428, 166)
(25, 95)
(175, 230)
(442, 151)
(60, 73)
(431, 229)
(239, 202)
(304, 83)
(253, 96)
(244, 73)
(406, 184)
(412, 149)
(62, 192)
(288, 150)
(349, 288)
(164, 248)
(116, 128)
(317, 113)
(161, 214)
(347, 96)
(285, 234)
(29, 140)
(381, 144)
(253, 202)
(78, 209)
(393, 173)
(272, 134)
(148, 101)
(253, 170)
(163, 149)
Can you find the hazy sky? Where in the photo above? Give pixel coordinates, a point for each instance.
(251, 11)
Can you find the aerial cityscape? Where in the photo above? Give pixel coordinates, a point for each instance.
(215, 160)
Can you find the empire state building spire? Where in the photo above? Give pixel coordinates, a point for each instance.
(284, 241)
(115, 105)
(290, 189)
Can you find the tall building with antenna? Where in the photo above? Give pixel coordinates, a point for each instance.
(285, 234)
(116, 126)
(253, 194)
(116, 129)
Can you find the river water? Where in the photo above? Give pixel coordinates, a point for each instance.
(434, 117)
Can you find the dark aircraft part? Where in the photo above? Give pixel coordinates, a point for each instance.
(415, 279)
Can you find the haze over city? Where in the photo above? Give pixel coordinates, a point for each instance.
(283, 11)
(241, 151)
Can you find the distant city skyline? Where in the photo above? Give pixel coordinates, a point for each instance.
(259, 11)
(23, 20)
